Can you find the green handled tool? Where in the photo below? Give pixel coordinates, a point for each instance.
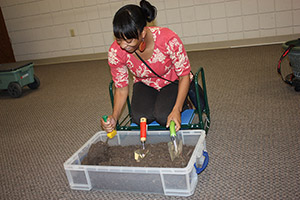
(175, 146)
(173, 135)
(111, 134)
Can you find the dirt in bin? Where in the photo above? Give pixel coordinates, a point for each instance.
(102, 154)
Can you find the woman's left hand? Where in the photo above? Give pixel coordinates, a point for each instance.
(176, 117)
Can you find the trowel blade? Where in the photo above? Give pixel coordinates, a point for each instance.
(139, 154)
(175, 150)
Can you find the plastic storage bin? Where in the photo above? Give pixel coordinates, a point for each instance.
(168, 181)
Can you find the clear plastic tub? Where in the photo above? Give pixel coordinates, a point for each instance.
(168, 181)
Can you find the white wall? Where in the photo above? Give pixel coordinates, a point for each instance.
(41, 28)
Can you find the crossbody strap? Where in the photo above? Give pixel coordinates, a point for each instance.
(152, 69)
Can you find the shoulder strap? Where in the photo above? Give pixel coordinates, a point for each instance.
(152, 69)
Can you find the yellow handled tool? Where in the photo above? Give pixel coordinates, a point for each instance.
(111, 134)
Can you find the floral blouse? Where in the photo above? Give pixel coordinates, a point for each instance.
(169, 60)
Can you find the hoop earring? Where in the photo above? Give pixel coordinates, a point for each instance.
(142, 46)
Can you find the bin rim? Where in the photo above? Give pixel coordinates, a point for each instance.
(294, 42)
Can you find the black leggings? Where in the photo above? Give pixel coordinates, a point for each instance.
(153, 104)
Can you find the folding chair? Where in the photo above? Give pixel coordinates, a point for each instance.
(196, 118)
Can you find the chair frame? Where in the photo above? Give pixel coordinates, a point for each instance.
(203, 117)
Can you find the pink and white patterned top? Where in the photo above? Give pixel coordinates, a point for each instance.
(169, 60)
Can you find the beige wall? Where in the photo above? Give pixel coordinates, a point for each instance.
(41, 28)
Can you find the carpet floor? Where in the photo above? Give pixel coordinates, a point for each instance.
(253, 142)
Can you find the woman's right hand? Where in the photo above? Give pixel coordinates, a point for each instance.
(109, 125)
(120, 97)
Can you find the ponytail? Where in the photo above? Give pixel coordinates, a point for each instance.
(149, 10)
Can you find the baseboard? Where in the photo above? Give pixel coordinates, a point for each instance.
(241, 43)
(188, 47)
(70, 59)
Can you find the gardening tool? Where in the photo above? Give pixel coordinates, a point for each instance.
(141, 153)
(175, 145)
(111, 134)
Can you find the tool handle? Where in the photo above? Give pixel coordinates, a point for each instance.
(111, 134)
(172, 129)
(143, 129)
(104, 117)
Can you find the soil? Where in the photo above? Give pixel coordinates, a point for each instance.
(102, 154)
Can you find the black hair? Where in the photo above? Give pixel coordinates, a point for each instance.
(130, 20)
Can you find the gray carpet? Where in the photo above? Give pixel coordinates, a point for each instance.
(253, 142)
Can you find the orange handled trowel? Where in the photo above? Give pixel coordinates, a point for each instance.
(141, 153)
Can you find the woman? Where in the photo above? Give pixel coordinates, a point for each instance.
(158, 99)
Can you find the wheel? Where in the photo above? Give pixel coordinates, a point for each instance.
(296, 83)
(35, 84)
(14, 90)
